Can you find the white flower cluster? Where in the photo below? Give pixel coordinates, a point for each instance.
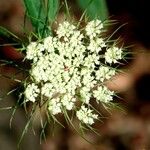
(103, 94)
(31, 93)
(86, 115)
(67, 69)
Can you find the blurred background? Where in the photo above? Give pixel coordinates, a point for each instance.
(121, 130)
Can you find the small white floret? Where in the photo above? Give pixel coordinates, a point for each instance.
(86, 115)
(31, 93)
(54, 106)
(94, 28)
(113, 54)
(103, 94)
(104, 73)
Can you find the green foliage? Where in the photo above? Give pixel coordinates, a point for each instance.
(94, 8)
(41, 13)
(36, 14)
(52, 9)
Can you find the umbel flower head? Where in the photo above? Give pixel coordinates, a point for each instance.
(67, 70)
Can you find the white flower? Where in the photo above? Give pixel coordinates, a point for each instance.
(67, 67)
(49, 43)
(88, 80)
(47, 90)
(68, 101)
(86, 116)
(113, 54)
(84, 70)
(76, 39)
(96, 45)
(34, 50)
(85, 94)
(31, 93)
(104, 73)
(66, 76)
(38, 72)
(54, 106)
(91, 60)
(65, 30)
(94, 28)
(103, 94)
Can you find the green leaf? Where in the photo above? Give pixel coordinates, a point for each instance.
(94, 8)
(35, 11)
(52, 9)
